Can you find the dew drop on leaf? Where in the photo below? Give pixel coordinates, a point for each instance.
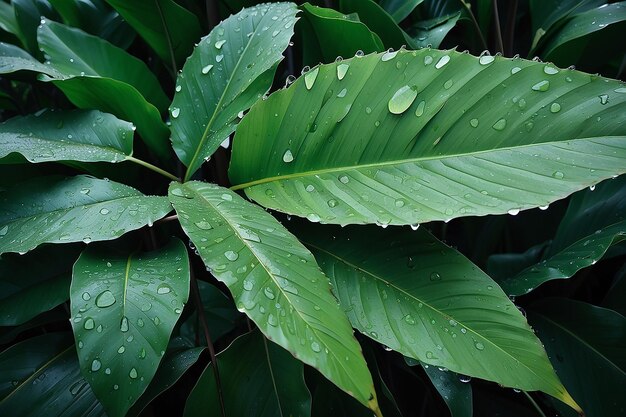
(402, 99)
(541, 86)
(105, 299)
(96, 365)
(164, 289)
(342, 69)
(442, 61)
(500, 124)
(310, 77)
(231, 255)
(287, 156)
(555, 107)
(206, 69)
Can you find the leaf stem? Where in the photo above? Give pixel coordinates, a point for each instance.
(534, 403)
(207, 336)
(152, 168)
(167, 37)
(475, 22)
(496, 17)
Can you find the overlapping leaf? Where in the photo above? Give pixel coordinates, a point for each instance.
(87, 136)
(61, 210)
(275, 280)
(124, 307)
(269, 379)
(229, 70)
(413, 136)
(437, 306)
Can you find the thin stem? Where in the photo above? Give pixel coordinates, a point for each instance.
(207, 336)
(152, 168)
(167, 37)
(511, 27)
(534, 403)
(475, 22)
(496, 16)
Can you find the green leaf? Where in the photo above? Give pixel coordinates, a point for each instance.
(324, 26)
(14, 59)
(177, 360)
(380, 144)
(583, 24)
(432, 31)
(594, 221)
(219, 311)
(163, 24)
(269, 379)
(28, 14)
(614, 298)
(439, 307)
(230, 69)
(95, 17)
(274, 280)
(586, 343)
(40, 376)
(377, 19)
(124, 307)
(8, 23)
(97, 74)
(399, 9)
(78, 135)
(34, 283)
(55, 209)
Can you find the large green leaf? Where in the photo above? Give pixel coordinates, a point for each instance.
(324, 26)
(96, 74)
(230, 69)
(95, 17)
(399, 9)
(124, 307)
(594, 221)
(258, 379)
(586, 344)
(166, 26)
(381, 144)
(14, 59)
(275, 280)
(61, 210)
(78, 135)
(377, 19)
(41, 377)
(34, 283)
(28, 14)
(8, 23)
(438, 307)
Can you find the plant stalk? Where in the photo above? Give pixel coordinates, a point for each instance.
(535, 405)
(152, 168)
(476, 26)
(496, 17)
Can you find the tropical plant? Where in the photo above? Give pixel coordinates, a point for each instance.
(421, 165)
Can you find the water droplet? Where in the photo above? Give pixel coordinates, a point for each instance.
(389, 55)
(620, 90)
(310, 188)
(124, 324)
(206, 69)
(219, 58)
(344, 179)
(402, 99)
(231, 255)
(604, 98)
(592, 187)
(474, 122)
(312, 217)
(287, 156)
(429, 354)
(89, 324)
(409, 319)
(442, 61)
(105, 299)
(415, 226)
(332, 203)
(121, 349)
(220, 43)
(464, 378)
(86, 296)
(558, 175)
(541, 86)
(513, 212)
(550, 70)
(486, 59)
(204, 225)
(500, 124)
(96, 365)
(164, 289)
(515, 70)
(140, 322)
(448, 84)
(310, 77)
(315, 347)
(175, 112)
(342, 69)
(435, 276)
(178, 88)
(104, 211)
(420, 108)
(272, 320)
(399, 203)
(269, 293)
(133, 373)
(342, 93)
(555, 107)
(227, 197)
(479, 346)
(544, 207)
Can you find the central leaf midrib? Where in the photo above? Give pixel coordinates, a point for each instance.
(404, 161)
(402, 291)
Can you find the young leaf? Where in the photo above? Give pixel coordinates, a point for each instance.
(74, 135)
(399, 9)
(40, 376)
(269, 379)
(166, 26)
(230, 69)
(274, 280)
(382, 143)
(594, 221)
(55, 209)
(124, 307)
(377, 19)
(439, 307)
(586, 343)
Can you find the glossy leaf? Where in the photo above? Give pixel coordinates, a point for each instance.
(594, 221)
(475, 127)
(438, 307)
(258, 379)
(399, 9)
(95, 17)
(586, 343)
(377, 19)
(87, 136)
(124, 307)
(274, 280)
(55, 209)
(177, 360)
(40, 376)
(14, 59)
(163, 24)
(324, 26)
(8, 23)
(432, 31)
(28, 15)
(230, 69)
(583, 24)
